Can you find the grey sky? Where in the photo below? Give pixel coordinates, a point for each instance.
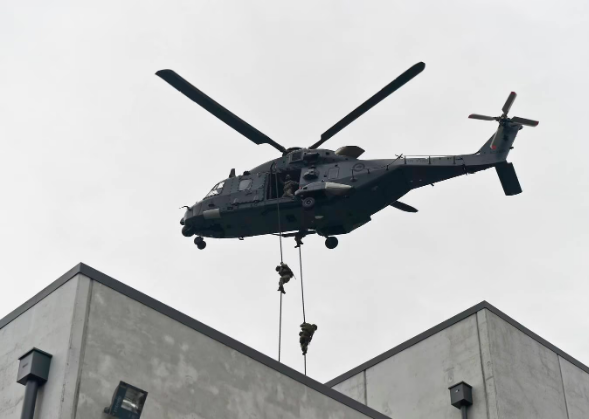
(97, 154)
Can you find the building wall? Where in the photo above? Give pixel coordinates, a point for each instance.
(54, 325)
(528, 377)
(187, 374)
(576, 387)
(354, 387)
(414, 383)
(512, 374)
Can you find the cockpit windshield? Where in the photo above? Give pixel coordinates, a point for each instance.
(217, 189)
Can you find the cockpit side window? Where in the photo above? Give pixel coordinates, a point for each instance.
(245, 184)
(217, 189)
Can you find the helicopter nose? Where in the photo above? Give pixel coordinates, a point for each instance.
(187, 214)
(192, 215)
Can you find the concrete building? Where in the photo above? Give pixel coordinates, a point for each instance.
(100, 332)
(515, 374)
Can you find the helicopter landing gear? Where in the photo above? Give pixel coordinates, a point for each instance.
(200, 243)
(308, 202)
(187, 231)
(331, 242)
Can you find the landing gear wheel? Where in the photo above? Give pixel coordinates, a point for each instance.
(187, 231)
(200, 243)
(331, 242)
(308, 202)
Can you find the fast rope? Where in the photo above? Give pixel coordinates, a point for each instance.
(302, 298)
(301, 273)
(302, 289)
(281, 261)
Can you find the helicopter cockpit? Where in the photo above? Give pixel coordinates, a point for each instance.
(217, 189)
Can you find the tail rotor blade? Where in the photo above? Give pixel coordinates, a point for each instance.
(509, 102)
(482, 117)
(370, 103)
(524, 121)
(235, 122)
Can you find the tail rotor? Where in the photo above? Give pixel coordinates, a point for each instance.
(503, 119)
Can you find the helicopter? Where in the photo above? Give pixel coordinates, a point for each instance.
(314, 190)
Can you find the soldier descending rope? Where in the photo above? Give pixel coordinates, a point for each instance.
(305, 335)
(285, 275)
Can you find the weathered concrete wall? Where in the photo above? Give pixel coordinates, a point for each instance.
(187, 374)
(354, 387)
(576, 387)
(513, 376)
(527, 374)
(55, 325)
(413, 384)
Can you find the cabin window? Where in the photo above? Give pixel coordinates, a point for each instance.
(333, 173)
(217, 189)
(245, 184)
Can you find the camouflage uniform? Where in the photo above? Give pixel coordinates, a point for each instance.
(289, 187)
(285, 274)
(305, 335)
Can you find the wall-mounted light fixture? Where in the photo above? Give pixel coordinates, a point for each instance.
(33, 372)
(461, 396)
(127, 402)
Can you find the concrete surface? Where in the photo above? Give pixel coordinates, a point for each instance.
(527, 375)
(512, 374)
(576, 386)
(187, 374)
(487, 364)
(53, 325)
(354, 387)
(414, 383)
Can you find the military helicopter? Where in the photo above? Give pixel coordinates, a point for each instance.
(314, 190)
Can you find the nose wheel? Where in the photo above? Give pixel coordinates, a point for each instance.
(331, 242)
(200, 243)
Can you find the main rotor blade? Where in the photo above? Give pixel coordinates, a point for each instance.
(509, 102)
(481, 117)
(524, 121)
(216, 109)
(403, 207)
(374, 100)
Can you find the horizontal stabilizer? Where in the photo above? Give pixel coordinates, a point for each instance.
(508, 178)
(403, 207)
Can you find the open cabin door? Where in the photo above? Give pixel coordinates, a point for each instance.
(275, 186)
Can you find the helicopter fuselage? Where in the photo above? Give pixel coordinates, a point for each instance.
(313, 190)
(346, 192)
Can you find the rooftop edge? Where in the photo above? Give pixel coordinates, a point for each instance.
(174, 314)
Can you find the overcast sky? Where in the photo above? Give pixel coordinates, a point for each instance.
(97, 154)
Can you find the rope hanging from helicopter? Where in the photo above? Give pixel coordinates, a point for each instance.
(281, 261)
(307, 330)
(302, 298)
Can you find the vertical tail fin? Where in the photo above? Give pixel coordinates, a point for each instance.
(508, 178)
